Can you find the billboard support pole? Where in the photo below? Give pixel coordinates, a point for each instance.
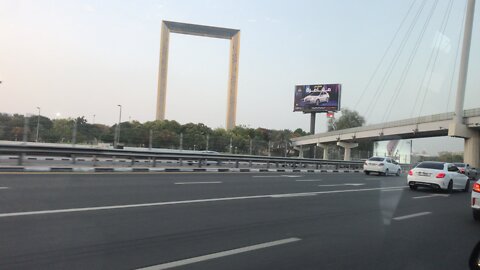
(312, 131)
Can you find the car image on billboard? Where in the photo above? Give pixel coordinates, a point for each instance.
(317, 98)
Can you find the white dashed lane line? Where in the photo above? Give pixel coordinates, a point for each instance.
(431, 196)
(339, 185)
(412, 216)
(220, 254)
(197, 183)
(387, 190)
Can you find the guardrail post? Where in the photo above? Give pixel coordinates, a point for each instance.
(180, 162)
(276, 165)
(154, 162)
(74, 159)
(94, 160)
(236, 164)
(250, 163)
(268, 164)
(316, 166)
(200, 163)
(20, 159)
(133, 162)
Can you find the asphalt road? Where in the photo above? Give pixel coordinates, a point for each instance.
(230, 221)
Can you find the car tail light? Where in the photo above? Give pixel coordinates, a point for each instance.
(440, 175)
(410, 172)
(381, 164)
(476, 187)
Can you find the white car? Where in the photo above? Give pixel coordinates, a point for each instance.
(382, 166)
(317, 97)
(467, 170)
(437, 175)
(476, 200)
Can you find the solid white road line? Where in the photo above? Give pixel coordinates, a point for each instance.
(412, 216)
(339, 185)
(125, 206)
(370, 178)
(4, 187)
(195, 183)
(431, 196)
(293, 195)
(220, 254)
(308, 180)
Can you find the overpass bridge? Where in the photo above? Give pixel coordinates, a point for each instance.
(460, 123)
(421, 127)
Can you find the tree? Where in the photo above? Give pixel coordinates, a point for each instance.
(349, 119)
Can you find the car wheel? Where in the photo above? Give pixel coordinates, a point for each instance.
(413, 187)
(467, 186)
(398, 172)
(386, 172)
(476, 215)
(367, 173)
(450, 187)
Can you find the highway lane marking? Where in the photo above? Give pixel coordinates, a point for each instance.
(412, 216)
(431, 196)
(339, 185)
(308, 180)
(126, 206)
(398, 189)
(4, 187)
(195, 183)
(294, 195)
(370, 178)
(273, 176)
(220, 254)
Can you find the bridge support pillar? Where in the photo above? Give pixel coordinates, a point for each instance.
(471, 152)
(325, 150)
(348, 147)
(300, 151)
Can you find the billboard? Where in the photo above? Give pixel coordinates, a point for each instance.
(317, 98)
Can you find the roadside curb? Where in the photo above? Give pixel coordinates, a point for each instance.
(153, 170)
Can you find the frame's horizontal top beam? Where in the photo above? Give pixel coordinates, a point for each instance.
(200, 30)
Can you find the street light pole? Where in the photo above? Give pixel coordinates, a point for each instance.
(118, 126)
(38, 124)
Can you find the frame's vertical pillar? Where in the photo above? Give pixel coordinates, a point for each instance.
(162, 73)
(233, 82)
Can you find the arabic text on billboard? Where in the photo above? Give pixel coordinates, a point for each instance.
(317, 98)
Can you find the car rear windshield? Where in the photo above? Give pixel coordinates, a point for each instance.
(431, 165)
(459, 164)
(376, 159)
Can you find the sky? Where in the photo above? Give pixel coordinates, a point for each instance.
(82, 58)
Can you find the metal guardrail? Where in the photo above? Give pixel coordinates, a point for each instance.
(22, 150)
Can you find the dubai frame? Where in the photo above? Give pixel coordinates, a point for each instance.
(204, 31)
